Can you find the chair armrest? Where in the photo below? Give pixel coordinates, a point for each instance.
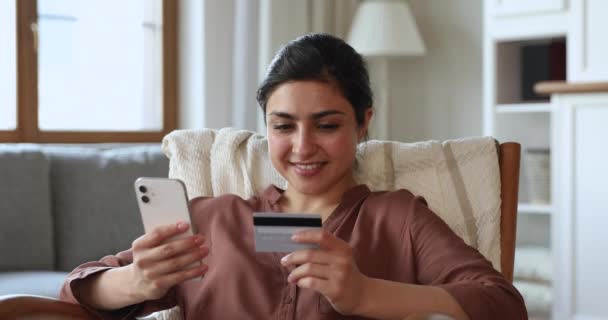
(38, 307)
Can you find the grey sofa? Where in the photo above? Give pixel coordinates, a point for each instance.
(62, 205)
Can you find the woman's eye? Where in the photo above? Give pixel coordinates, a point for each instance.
(282, 127)
(328, 127)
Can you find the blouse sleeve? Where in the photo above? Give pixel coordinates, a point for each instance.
(444, 260)
(69, 290)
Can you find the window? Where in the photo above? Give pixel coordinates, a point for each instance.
(89, 71)
(8, 65)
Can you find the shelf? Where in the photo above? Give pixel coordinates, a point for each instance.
(528, 208)
(529, 26)
(519, 65)
(531, 107)
(553, 87)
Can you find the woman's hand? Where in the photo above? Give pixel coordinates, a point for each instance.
(330, 270)
(158, 266)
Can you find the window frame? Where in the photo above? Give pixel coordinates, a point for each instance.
(27, 86)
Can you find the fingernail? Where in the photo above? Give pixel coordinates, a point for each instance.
(198, 240)
(182, 225)
(284, 259)
(295, 237)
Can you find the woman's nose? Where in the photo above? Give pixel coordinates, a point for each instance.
(304, 143)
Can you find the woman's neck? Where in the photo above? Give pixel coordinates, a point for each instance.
(323, 203)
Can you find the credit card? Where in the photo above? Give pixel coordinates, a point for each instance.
(273, 231)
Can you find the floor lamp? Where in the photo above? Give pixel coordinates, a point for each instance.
(383, 29)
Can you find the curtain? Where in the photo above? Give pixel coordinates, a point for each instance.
(283, 20)
(332, 16)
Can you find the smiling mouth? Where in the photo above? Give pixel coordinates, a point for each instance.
(307, 166)
(308, 169)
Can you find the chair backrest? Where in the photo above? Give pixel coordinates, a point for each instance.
(460, 179)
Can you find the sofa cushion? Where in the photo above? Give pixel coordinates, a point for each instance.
(93, 199)
(26, 227)
(40, 283)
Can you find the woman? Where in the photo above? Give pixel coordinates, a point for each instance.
(382, 255)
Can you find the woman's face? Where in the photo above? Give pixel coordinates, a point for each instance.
(312, 136)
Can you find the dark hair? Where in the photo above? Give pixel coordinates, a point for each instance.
(324, 58)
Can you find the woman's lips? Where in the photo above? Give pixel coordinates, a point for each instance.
(308, 169)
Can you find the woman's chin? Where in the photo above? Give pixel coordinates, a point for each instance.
(308, 185)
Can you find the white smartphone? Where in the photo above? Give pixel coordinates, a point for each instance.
(163, 201)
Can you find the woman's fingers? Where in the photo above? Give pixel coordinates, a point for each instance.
(160, 261)
(148, 257)
(174, 248)
(176, 263)
(307, 255)
(175, 278)
(333, 250)
(330, 270)
(324, 239)
(314, 276)
(309, 270)
(159, 234)
(320, 285)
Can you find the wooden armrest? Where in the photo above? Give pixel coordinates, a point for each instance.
(21, 307)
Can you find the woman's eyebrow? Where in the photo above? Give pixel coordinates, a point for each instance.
(322, 114)
(314, 116)
(282, 115)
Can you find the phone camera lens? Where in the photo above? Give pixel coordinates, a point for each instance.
(145, 199)
(143, 189)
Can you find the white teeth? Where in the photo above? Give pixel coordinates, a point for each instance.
(308, 166)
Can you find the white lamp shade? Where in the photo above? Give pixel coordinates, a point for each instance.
(385, 28)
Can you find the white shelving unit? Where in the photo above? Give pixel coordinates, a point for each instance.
(533, 107)
(573, 126)
(509, 26)
(581, 211)
(528, 208)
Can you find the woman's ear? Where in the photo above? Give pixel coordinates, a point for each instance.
(363, 130)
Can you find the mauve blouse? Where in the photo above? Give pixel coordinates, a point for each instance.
(395, 236)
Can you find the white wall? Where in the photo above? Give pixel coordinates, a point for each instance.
(438, 96)
(277, 27)
(191, 67)
(218, 63)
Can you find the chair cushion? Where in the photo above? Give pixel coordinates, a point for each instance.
(26, 226)
(40, 283)
(93, 199)
(460, 179)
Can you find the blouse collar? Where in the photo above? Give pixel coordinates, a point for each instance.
(273, 194)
